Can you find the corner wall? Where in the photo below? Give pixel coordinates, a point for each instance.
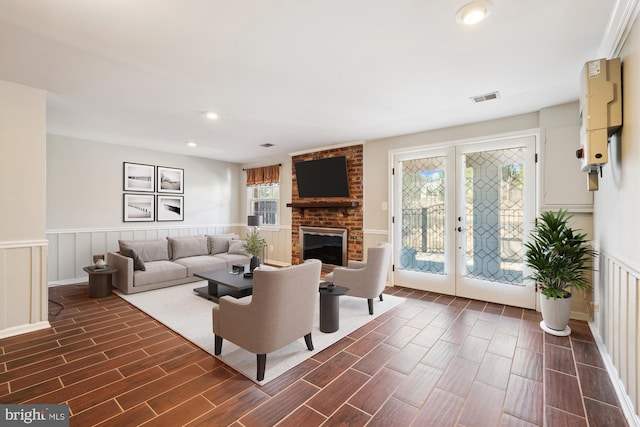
(617, 236)
(23, 248)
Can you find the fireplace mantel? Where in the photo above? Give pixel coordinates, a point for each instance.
(323, 205)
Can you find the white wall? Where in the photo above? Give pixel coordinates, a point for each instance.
(617, 237)
(85, 184)
(23, 248)
(85, 200)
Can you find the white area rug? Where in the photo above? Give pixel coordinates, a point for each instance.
(180, 309)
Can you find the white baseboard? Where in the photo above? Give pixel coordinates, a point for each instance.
(577, 315)
(23, 329)
(73, 281)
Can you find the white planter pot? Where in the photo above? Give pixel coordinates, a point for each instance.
(555, 315)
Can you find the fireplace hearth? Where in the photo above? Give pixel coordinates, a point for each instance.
(329, 245)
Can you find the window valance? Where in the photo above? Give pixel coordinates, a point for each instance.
(263, 175)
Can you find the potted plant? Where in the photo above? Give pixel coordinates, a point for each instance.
(254, 246)
(560, 258)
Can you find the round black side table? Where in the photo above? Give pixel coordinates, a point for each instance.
(100, 280)
(329, 307)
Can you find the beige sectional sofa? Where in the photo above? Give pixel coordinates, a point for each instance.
(151, 264)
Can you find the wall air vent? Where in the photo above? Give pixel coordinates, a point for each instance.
(485, 97)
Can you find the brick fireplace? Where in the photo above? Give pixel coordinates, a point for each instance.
(331, 212)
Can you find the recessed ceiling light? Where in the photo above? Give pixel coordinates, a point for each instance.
(192, 144)
(474, 12)
(211, 115)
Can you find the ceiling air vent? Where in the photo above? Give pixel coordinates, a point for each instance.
(485, 97)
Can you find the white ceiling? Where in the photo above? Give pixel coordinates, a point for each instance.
(295, 73)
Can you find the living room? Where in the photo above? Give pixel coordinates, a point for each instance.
(71, 204)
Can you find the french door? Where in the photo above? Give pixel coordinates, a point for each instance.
(461, 215)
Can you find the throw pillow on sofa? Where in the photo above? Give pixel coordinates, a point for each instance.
(186, 247)
(237, 247)
(219, 244)
(138, 263)
(149, 250)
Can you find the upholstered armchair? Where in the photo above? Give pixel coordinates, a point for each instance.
(365, 279)
(280, 311)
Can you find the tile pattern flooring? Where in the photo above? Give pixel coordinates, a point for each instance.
(435, 360)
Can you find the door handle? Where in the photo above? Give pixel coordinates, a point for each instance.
(460, 229)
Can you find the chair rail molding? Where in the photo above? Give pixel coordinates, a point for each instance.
(23, 244)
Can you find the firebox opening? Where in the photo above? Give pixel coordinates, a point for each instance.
(329, 245)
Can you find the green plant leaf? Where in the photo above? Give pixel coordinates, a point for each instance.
(559, 256)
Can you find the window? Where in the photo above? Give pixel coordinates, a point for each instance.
(263, 193)
(263, 200)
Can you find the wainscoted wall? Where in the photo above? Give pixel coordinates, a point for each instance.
(278, 250)
(616, 324)
(372, 238)
(23, 287)
(23, 245)
(70, 250)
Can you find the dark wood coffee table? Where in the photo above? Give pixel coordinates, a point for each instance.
(222, 282)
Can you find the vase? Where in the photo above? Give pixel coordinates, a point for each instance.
(555, 315)
(255, 262)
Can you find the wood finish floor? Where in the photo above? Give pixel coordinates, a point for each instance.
(435, 360)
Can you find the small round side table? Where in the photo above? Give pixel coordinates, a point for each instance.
(100, 280)
(329, 308)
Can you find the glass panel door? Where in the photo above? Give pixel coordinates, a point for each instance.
(496, 206)
(461, 215)
(424, 249)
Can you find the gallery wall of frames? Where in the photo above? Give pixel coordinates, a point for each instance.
(152, 193)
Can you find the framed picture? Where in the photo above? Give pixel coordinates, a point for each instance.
(170, 180)
(170, 208)
(138, 207)
(138, 177)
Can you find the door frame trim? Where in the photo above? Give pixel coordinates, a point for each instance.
(392, 155)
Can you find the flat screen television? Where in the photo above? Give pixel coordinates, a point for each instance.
(323, 177)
